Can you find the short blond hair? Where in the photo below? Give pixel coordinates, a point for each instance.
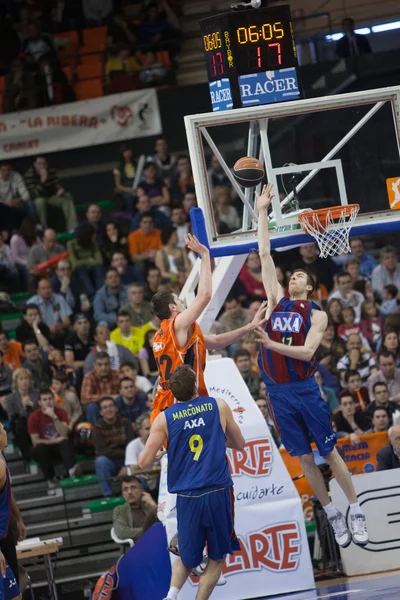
(18, 373)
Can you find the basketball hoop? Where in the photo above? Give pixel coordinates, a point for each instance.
(330, 227)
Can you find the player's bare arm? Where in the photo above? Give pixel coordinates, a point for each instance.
(185, 319)
(157, 437)
(319, 322)
(3, 473)
(222, 340)
(271, 284)
(233, 434)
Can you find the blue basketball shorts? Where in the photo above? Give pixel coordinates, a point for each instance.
(8, 586)
(301, 416)
(206, 517)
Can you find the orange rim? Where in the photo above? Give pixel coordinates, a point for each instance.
(335, 212)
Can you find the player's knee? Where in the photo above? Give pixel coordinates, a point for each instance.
(332, 456)
(307, 461)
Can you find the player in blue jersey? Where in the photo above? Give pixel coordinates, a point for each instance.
(293, 332)
(198, 430)
(9, 589)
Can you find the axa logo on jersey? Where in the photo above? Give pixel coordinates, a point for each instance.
(283, 321)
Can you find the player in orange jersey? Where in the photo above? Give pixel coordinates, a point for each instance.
(180, 339)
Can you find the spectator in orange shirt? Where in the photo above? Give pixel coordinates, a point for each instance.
(12, 351)
(145, 241)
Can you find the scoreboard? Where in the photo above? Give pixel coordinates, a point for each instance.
(250, 57)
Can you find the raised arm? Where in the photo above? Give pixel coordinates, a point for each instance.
(204, 291)
(158, 435)
(270, 281)
(319, 322)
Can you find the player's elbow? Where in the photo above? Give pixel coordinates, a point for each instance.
(239, 443)
(308, 354)
(142, 463)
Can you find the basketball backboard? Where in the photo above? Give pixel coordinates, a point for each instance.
(317, 152)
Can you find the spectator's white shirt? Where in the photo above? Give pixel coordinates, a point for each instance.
(143, 384)
(182, 230)
(381, 277)
(358, 298)
(13, 188)
(133, 449)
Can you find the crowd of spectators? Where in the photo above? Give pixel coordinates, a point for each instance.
(141, 42)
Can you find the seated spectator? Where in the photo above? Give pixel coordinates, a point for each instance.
(102, 381)
(320, 293)
(48, 428)
(154, 187)
(19, 93)
(136, 446)
(113, 242)
(250, 344)
(110, 437)
(227, 213)
(43, 251)
(144, 243)
(164, 160)
(216, 175)
(390, 342)
(121, 70)
(118, 354)
(32, 327)
(19, 406)
(153, 280)
(130, 370)
(45, 189)
(125, 171)
(15, 203)
(53, 86)
(189, 202)
(181, 224)
(86, 260)
(152, 73)
(327, 394)
(243, 362)
(347, 295)
(154, 28)
(172, 261)
(235, 316)
(160, 219)
(182, 183)
(350, 421)
(325, 268)
(388, 374)
(380, 420)
(250, 276)
(349, 326)
(334, 310)
(352, 267)
(371, 323)
(357, 360)
(66, 284)
(381, 395)
(20, 244)
(366, 261)
(79, 343)
(132, 519)
(97, 12)
(54, 310)
(353, 388)
(12, 351)
(94, 217)
(389, 456)
(127, 335)
(9, 275)
(37, 363)
(66, 399)
(37, 44)
(131, 403)
(389, 303)
(388, 272)
(128, 273)
(148, 364)
(120, 30)
(139, 310)
(110, 298)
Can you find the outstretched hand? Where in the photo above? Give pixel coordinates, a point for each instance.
(259, 317)
(193, 244)
(265, 199)
(262, 337)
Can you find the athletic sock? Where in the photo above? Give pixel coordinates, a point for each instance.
(173, 593)
(355, 509)
(330, 510)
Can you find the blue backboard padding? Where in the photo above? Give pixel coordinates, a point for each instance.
(145, 571)
(200, 231)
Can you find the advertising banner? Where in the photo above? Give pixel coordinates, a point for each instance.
(80, 124)
(269, 86)
(274, 556)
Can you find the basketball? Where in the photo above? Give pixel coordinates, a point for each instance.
(248, 171)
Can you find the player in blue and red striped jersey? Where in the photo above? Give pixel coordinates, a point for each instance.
(293, 332)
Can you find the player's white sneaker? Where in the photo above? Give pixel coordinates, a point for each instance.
(358, 526)
(202, 567)
(340, 529)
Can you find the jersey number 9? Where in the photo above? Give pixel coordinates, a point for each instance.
(196, 446)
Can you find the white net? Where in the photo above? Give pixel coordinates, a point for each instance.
(330, 228)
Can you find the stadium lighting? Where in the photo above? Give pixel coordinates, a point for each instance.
(386, 27)
(366, 30)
